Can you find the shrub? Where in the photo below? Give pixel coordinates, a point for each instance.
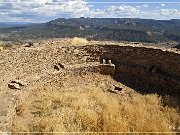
(78, 41)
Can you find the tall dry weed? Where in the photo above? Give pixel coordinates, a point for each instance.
(92, 110)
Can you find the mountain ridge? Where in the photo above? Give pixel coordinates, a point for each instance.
(118, 29)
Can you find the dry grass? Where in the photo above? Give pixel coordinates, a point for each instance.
(90, 108)
(78, 41)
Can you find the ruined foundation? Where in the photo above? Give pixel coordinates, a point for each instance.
(146, 70)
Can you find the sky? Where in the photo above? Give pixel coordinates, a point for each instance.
(38, 11)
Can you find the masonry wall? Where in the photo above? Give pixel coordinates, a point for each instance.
(145, 69)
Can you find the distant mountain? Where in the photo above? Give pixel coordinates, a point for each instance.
(11, 24)
(118, 29)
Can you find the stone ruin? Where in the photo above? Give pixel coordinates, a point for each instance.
(106, 67)
(151, 70)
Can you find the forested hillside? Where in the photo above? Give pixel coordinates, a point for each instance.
(118, 29)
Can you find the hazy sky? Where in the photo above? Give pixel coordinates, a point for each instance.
(46, 10)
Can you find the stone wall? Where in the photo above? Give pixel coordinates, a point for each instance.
(144, 69)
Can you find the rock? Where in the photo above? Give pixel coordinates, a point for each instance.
(111, 88)
(29, 44)
(14, 86)
(104, 61)
(59, 66)
(114, 89)
(109, 62)
(19, 82)
(81, 28)
(56, 67)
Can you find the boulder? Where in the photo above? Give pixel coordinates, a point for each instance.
(29, 44)
(19, 82)
(14, 86)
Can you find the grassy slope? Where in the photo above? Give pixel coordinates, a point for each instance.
(82, 106)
